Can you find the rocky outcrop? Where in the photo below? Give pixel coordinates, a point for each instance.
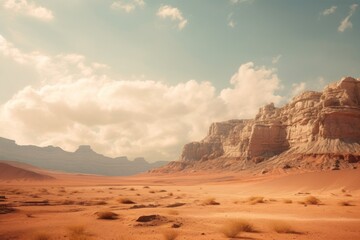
(314, 130)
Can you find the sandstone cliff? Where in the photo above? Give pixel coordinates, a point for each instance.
(315, 130)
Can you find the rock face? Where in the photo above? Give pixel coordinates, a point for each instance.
(314, 130)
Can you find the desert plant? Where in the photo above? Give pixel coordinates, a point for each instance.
(125, 201)
(233, 228)
(77, 232)
(282, 227)
(107, 215)
(345, 203)
(255, 200)
(170, 235)
(287, 201)
(41, 236)
(210, 201)
(173, 212)
(311, 200)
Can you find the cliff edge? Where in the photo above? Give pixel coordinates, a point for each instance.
(315, 130)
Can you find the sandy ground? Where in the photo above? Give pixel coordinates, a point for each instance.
(68, 208)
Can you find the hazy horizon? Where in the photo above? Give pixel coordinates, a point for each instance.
(141, 78)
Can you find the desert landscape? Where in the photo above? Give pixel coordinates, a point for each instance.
(275, 192)
(179, 120)
(317, 205)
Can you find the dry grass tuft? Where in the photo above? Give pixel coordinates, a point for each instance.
(345, 203)
(311, 200)
(233, 228)
(255, 200)
(210, 201)
(170, 235)
(107, 215)
(125, 201)
(77, 232)
(281, 227)
(41, 236)
(173, 212)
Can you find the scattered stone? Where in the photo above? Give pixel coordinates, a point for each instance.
(175, 205)
(176, 225)
(148, 218)
(4, 209)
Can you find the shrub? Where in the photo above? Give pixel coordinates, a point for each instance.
(172, 212)
(311, 200)
(107, 215)
(288, 201)
(255, 200)
(232, 228)
(210, 201)
(345, 203)
(77, 232)
(170, 235)
(125, 201)
(41, 236)
(281, 227)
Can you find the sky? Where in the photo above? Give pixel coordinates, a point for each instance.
(141, 78)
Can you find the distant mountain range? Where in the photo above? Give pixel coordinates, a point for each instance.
(83, 160)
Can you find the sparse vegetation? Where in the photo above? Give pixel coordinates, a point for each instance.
(210, 201)
(41, 236)
(232, 228)
(255, 200)
(287, 201)
(173, 212)
(78, 232)
(107, 215)
(170, 235)
(125, 201)
(282, 227)
(345, 203)
(311, 200)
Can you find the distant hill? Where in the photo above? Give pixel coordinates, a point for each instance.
(8, 172)
(83, 160)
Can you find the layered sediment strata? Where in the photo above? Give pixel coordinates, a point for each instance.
(322, 127)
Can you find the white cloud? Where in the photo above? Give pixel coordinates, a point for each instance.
(346, 23)
(52, 69)
(174, 14)
(241, 1)
(127, 5)
(252, 87)
(298, 88)
(75, 104)
(231, 22)
(28, 8)
(329, 10)
(276, 59)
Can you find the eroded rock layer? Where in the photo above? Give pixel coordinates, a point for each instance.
(314, 130)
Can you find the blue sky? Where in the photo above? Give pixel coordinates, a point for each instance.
(299, 41)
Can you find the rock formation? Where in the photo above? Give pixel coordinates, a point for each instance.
(314, 130)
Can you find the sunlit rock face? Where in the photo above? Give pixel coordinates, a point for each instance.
(314, 124)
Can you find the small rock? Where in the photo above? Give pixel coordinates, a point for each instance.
(148, 218)
(176, 225)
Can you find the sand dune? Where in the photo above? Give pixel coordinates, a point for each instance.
(9, 172)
